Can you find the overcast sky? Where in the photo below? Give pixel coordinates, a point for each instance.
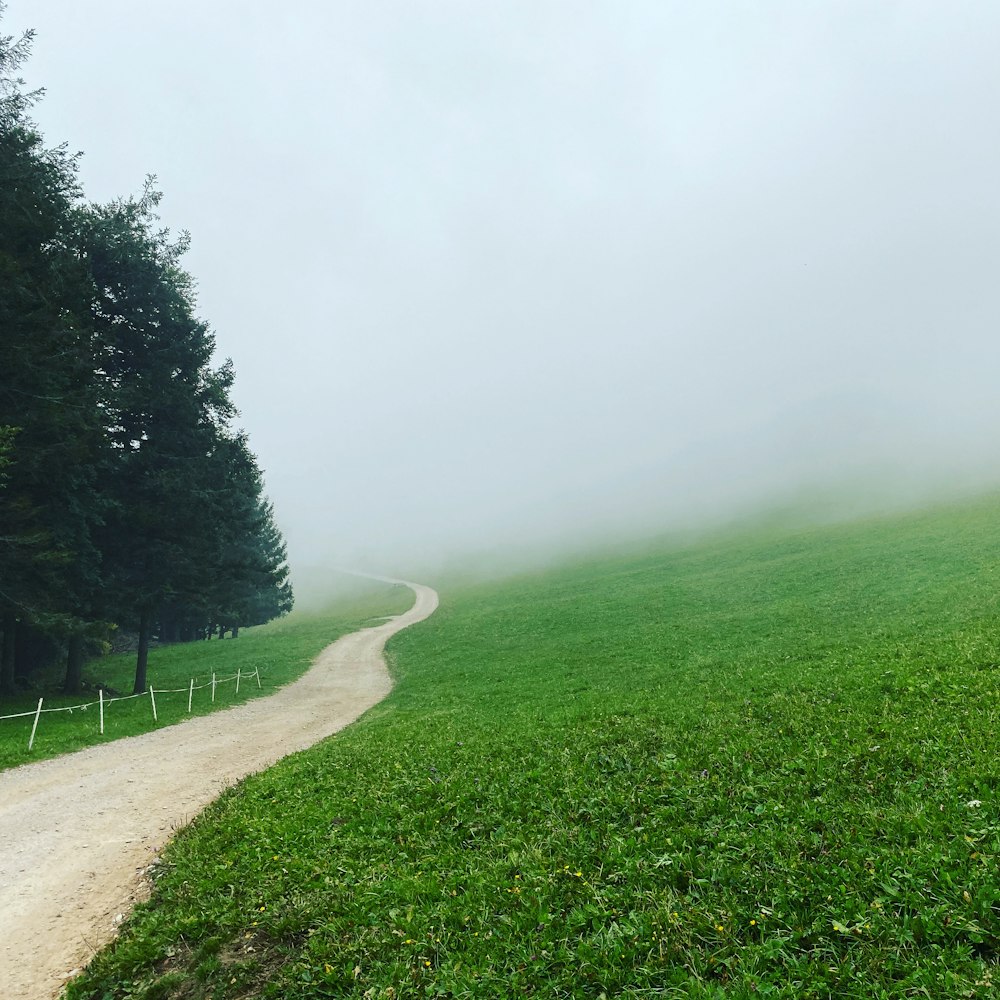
(505, 272)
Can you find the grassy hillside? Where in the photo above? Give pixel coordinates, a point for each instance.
(765, 765)
(281, 651)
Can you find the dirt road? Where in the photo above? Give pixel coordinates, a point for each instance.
(78, 833)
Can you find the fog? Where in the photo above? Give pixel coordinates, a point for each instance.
(500, 280)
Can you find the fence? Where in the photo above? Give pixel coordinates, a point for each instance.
(150, 693)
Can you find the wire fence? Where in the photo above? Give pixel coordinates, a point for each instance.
(102, 702)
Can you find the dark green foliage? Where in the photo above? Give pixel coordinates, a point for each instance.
(164, 409)
(125, 495)
(48, 401)
(249, 584)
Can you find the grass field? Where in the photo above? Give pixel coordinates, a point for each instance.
(281, 651)
(764, 765)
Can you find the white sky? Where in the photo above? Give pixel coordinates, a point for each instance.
(495, 273)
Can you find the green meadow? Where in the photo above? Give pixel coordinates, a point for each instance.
(765, 764)
(275, 653)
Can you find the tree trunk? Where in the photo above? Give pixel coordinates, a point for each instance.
(7, 656)
(145, 624)
(74, 665)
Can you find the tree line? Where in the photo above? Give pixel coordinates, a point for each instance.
(127, 498)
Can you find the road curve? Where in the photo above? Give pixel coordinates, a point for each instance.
(77, 833)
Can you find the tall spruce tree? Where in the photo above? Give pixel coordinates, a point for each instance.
(165, 407)
(251, 559)
(49, 418)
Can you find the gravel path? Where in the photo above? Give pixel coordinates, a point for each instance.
(78, 833)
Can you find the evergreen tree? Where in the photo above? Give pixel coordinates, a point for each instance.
(164, 407)
(50, 427)
(251, 559)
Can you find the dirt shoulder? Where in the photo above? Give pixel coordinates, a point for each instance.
(80, 832)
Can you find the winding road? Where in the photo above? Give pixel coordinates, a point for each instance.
(79, 832)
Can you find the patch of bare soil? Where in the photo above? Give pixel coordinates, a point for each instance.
(79, 833)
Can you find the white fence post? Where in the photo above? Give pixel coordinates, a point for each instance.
(213, 689)
(38, 712)
(152, 701)
(237, 680)
(190, 695)
(100, 691)
(257, 673)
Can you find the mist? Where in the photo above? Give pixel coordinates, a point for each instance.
(502, 281)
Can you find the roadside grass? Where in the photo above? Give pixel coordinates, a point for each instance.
(281, 650)
(765, 765)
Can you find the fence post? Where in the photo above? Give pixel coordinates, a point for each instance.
(257, 673)
(190, 695)
(153, 703)
(100, 691)
(237, 680)
(38, 712)
(213, 689)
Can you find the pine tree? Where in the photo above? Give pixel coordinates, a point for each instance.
(50, 427)
(164, 407)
